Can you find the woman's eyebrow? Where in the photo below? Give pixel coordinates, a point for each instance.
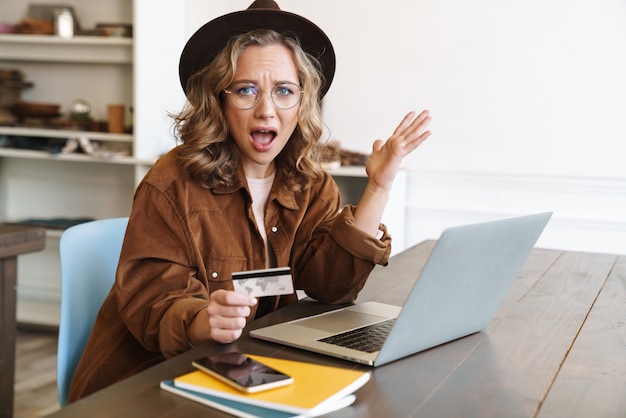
(244, 81)
(275, 83)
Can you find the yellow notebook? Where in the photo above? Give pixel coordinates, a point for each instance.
(315, 387)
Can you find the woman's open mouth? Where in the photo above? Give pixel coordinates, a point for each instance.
(262, 140)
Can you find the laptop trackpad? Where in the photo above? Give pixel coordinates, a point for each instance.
(339, 321)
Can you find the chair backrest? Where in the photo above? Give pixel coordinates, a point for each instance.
(89, 256)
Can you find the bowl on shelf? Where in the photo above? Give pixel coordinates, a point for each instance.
(114, 29)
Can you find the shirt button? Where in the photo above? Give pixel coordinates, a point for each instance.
(274, 229)
(214, 274)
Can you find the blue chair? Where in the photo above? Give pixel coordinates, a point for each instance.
(89, 256)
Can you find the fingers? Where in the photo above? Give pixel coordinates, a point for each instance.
(417, 124)
(406, 121)
(228, 313)
(227, 297)
(412, 130)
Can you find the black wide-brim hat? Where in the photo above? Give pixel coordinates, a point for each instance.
(211, 38)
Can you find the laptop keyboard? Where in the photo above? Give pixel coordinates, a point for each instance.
(369, 338)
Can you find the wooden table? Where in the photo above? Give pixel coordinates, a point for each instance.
(556, 348)
(14, 240)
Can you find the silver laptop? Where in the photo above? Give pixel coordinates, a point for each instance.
(464, 281)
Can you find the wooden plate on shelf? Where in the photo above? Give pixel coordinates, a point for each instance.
(34, 109)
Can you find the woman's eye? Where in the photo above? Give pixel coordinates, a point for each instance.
(246, 91)
(283, 91)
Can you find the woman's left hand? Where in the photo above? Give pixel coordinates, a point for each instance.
(387, 156)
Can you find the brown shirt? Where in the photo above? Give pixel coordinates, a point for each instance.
(184, 240)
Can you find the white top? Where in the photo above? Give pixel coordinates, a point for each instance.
(260, 190)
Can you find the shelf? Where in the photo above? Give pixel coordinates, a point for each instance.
(351, 171)
(348, 171)
(83, 49)
(98, 158)
(64, 133)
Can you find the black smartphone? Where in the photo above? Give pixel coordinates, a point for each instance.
(242, 372)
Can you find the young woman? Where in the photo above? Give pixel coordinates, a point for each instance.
(241, 192)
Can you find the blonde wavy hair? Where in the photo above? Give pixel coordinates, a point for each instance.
(207, 150)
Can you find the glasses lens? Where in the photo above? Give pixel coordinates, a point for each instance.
(286, 96)
(244, 95)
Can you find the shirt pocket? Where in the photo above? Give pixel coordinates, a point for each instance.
(219, 271)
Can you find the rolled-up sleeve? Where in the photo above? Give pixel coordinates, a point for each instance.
(332, 257)
(358, 242)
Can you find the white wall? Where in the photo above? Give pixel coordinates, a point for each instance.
(528, 101)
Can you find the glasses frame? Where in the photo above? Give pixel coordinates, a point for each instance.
(229, 92)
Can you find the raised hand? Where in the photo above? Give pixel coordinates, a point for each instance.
(387, 156)
(383, 165)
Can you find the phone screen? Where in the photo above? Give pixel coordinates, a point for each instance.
(242, 372)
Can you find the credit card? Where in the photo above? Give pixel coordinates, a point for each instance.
(265, 282)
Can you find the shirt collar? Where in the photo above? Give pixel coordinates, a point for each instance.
(279, 192)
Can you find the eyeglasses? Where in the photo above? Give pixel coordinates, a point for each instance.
(246, 95)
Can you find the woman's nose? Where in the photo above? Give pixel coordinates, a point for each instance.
(265, 108)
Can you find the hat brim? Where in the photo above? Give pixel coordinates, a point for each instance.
(212, 37)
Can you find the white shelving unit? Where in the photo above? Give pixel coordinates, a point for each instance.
(38, 184)
(102, 71)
